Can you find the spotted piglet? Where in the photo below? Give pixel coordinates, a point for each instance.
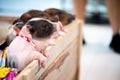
(30, 43)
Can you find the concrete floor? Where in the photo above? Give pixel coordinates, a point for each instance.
(98, 61)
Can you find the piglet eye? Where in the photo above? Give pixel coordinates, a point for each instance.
(30, 29)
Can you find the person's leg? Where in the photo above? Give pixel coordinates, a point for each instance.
(113, 7)
(79, 10)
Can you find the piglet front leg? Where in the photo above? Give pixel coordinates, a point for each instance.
(34, 55)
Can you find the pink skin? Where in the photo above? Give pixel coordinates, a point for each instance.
(35, 55)
(22, 52)
(59, 31)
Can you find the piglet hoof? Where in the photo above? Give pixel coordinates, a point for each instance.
(43, 62)
(46, 53)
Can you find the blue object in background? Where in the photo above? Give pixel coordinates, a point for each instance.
(17, 7)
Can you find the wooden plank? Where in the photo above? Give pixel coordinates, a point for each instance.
(64, 64)
(28, 75)
(79, 39)
(33, 67)
(70, 66)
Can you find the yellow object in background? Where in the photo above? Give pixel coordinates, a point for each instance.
(4, 72)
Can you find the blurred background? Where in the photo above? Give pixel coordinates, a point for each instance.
(95, 8)
(98, 61)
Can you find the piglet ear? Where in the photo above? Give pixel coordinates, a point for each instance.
(16, 29)
(18, 26)
(55, 19)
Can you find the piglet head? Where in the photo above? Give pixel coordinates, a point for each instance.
(38, 31)
(40, 28)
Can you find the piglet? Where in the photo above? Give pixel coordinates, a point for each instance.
(30, 43)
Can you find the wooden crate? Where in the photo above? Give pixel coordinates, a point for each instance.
(63, 63)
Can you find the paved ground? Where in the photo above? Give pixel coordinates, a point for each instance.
(98, 61)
